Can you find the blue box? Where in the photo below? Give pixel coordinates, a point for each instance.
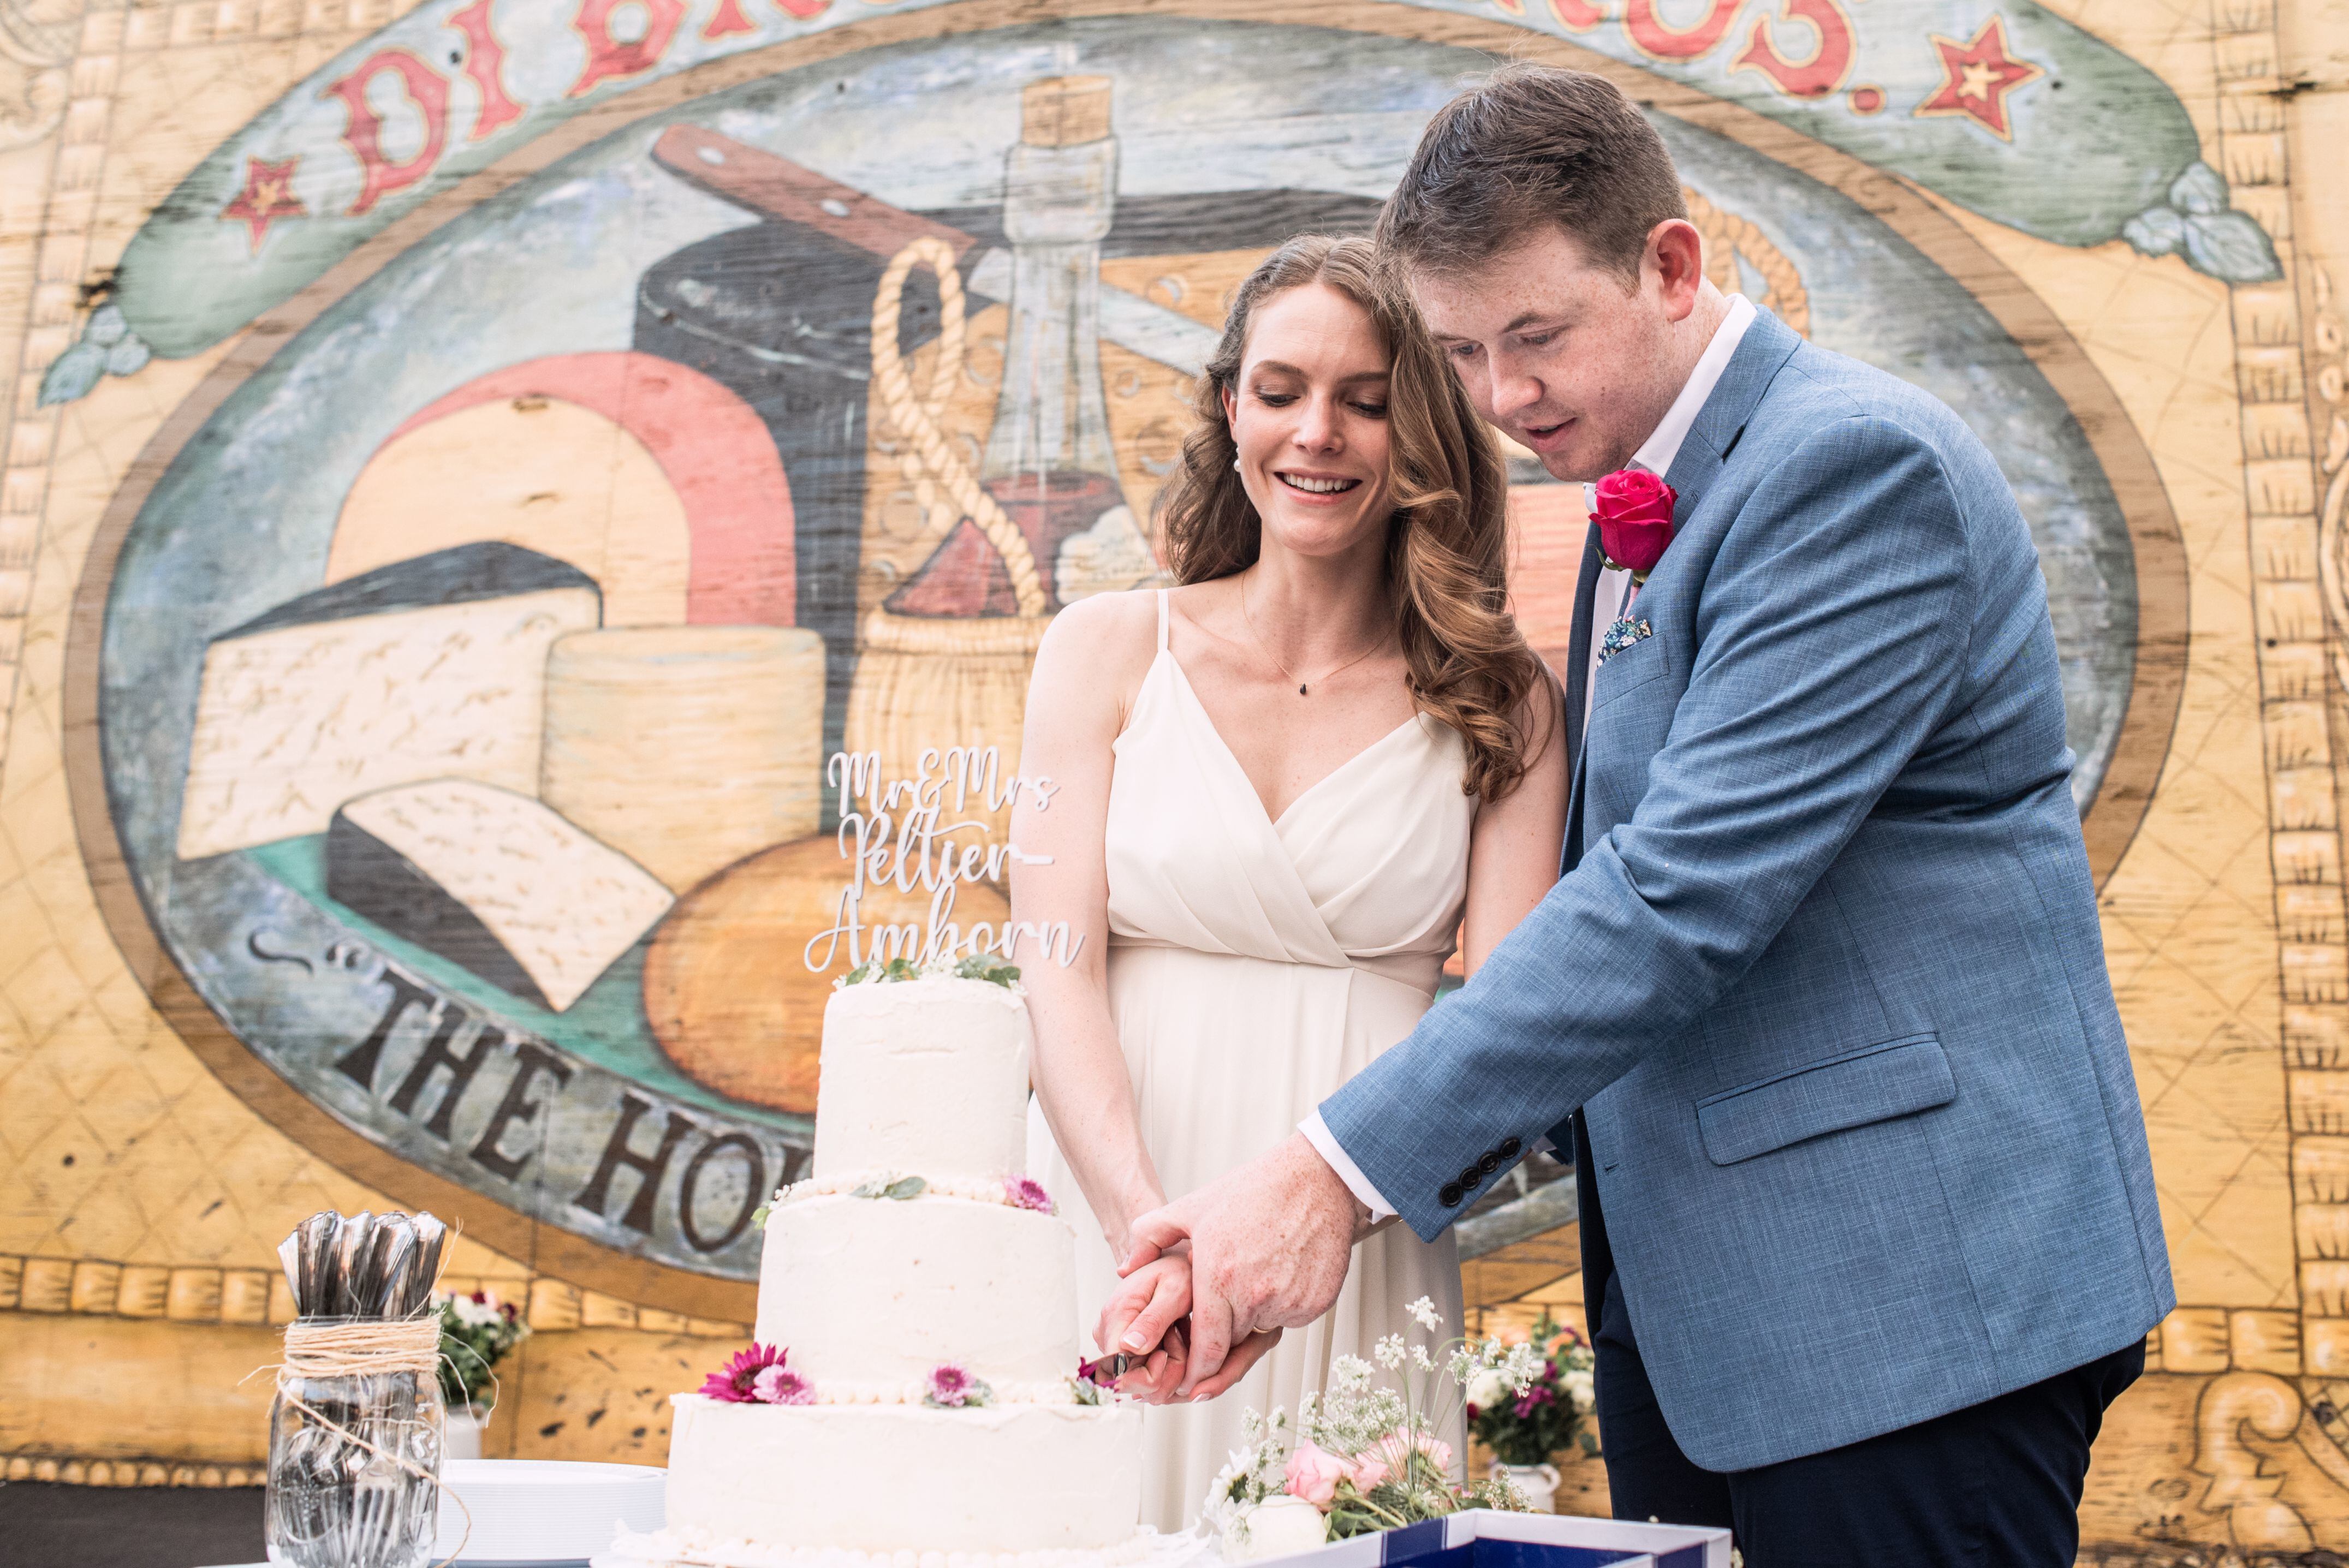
(1482, 1538)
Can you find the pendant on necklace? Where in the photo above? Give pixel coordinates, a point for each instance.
(1300, 690)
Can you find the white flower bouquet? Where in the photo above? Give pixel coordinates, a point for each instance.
(1365, 1456)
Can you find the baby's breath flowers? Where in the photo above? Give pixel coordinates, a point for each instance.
(1523, 1425)
(1366, 1453)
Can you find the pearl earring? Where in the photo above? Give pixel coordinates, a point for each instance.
(1236, 462)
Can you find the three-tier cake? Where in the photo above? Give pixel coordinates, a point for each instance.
(915, 1267)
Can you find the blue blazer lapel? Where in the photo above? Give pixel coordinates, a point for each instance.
(1577, 644)
(1763, 351)
(1768, 344)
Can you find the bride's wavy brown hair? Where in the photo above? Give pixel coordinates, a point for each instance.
(1447, 540)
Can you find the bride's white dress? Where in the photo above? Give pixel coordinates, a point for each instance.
(1254, 967)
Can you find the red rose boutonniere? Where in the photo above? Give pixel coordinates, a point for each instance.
(1633, 508)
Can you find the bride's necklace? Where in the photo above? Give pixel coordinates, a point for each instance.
(1265, 649)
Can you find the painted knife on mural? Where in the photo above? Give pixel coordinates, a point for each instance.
(775, 187)
(2002, 107)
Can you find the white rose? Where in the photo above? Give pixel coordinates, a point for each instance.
(1578, 1385)
(1486, 1390)
(1282, 1526)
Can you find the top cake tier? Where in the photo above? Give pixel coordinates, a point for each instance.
(924, 1077)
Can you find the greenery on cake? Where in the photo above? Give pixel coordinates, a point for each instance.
(898, 1189)
(985, 966)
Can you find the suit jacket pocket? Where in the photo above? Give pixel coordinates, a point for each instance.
(1635, 667)
(1871, 1084)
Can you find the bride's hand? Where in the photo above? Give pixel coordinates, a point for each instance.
(1142, 1320)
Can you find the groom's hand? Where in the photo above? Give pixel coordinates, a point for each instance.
(1270, 1246)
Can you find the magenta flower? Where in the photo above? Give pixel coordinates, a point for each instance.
(1027, 1192)
(779, 1384)
(1533, 1399)
(735, 1382)
(1097, 1372)
(952, 1387)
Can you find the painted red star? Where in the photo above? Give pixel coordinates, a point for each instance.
(1979, 75)
(268, 195)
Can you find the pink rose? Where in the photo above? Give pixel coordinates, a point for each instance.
(1314, 1475)
(1367, 1471)
(1634, 511)
(1394, 1450)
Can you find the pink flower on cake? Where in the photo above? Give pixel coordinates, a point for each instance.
(1314, 1475)
(1027, 1192)
(952, 1388)
(1367, 1471)
(735, 1382)
(779, 1384)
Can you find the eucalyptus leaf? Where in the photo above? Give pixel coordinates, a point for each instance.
(2232, 247)
(903, 1188)
(128, 358)
(72, 374)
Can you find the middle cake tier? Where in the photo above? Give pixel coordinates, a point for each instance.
(869, 1296)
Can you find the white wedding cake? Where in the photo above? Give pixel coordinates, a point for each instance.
(922, 1297)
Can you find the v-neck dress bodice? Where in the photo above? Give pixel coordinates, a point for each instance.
(1254, 966)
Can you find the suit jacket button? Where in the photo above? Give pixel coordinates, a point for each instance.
(1451, 1194)
(1511, 1147)
(1490, 1163)
(1469, 1177)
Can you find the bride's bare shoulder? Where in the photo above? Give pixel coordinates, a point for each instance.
(1102, 643)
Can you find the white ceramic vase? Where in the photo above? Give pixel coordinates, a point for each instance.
(462, 1438)
(1538, 1484)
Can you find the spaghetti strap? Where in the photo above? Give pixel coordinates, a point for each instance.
(1161, 620)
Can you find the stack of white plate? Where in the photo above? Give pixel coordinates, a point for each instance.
(541, 1513)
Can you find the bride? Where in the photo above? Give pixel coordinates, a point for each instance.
(1284, 784)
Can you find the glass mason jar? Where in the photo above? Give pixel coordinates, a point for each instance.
(353, 1467)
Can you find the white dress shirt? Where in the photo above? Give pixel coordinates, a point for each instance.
(1655, 455)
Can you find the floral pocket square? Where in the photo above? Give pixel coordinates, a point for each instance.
(1621, 635)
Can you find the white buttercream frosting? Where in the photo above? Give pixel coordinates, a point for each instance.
(873, 1290)
(926, 1076)
(868, 1295)
(969, 1189)
(891, 1478)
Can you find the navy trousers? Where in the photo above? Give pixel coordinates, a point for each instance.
(1995, 1483)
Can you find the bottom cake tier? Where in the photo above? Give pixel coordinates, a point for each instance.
(1005, 1478)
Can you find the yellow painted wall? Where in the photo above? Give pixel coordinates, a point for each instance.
(143, 1186)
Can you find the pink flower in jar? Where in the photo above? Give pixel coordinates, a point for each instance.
(1314, 1475)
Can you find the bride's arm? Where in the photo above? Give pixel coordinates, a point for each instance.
(1093, 658)
(1513, 853)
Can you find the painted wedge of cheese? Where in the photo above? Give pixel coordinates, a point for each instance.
(494, 880)
(428, 668)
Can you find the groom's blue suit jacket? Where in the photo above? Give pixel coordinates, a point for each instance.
(1823, 973)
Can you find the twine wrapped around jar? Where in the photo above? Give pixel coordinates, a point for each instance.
(354, 1347)
(368, 1385)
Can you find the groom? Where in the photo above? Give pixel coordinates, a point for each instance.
(1819, 1005)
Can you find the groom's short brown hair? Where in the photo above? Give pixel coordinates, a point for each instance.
(1528, 145)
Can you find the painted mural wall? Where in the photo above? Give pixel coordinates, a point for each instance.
(473, 466)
